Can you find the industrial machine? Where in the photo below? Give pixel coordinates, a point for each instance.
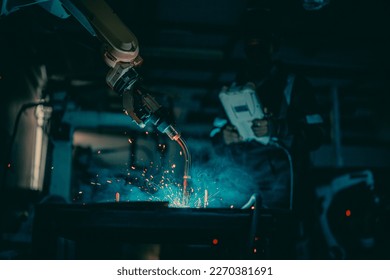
(350, 216)
(121, 54)
(64, 230)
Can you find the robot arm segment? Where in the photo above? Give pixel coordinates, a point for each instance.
(121, 45)
(121, 53)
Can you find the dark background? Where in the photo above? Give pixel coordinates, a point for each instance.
(191, 49)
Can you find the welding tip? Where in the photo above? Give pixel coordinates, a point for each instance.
(117, 197)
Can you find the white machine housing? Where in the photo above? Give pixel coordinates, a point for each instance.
(242, 106)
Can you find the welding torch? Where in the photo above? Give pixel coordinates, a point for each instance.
(121, 54)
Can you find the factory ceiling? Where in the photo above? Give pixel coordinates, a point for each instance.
(191, 48)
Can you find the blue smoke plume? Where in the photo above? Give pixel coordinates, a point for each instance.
(219, 183)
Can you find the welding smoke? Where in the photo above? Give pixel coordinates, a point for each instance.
(228, 185)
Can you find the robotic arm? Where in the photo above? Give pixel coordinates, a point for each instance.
(121, 54)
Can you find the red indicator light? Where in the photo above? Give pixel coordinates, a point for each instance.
(215, 241)
(348, 213)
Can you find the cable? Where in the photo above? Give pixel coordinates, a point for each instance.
(287, 152)
(253, 200)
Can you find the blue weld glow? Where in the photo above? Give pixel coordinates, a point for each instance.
(228, 185)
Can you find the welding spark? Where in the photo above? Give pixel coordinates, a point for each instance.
(219, 184)
(162, 147)
(130, 141)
